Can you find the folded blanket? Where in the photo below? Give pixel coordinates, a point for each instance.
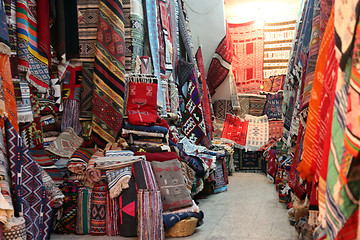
(65, 144)
(110, 163)
(118, 180)
(171, 219)
(79, 160)
(154, 128)
(160, 157)
(118, 153)
(93, 175)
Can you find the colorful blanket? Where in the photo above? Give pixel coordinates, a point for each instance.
(256, 105)
(273, 105)
(127, 211)
(137, 30)
(98, 210)
(118, 180)
(86, 87)
(235, 129)
(109, 73)
(276, 129)
(149, 208)
(250, 161)
(79, 160)
(65, 144)
(278, 37)
(83, 210)
(248, 42)
(258, 132)
(222, 108)
(24, 111)
(30, 194)
(112, 216)
(30, 57)
(193, 123)
(273, 83)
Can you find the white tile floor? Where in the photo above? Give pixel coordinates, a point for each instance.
(249, 210)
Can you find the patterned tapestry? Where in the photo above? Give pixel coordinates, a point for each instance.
(220, 64)
(223, 107)
(273, 105)
(30, 194)
(276, 129)
(108, 91)
(247, 66)
(278, 37)
(258, 132)
(194, 124)
(235, 129)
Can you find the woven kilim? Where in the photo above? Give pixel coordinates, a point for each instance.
(108, 91)
(137, 30)
(112, 216)
(273, 84)
(7, 95)
(273, 105)
(244, 102)
(86, 89)
(278, 37)
(67, 223)
(127, 31)
(276, 129)
(223, 107)
(98, 210)
(83, 211)
(258, 132)
(30, 58)
(235, 129)
(193, 125)
(250, 161)
(127, 211)
(248, 42)
(220, 64)
(29, 191)
(256, 105)
(150, 222)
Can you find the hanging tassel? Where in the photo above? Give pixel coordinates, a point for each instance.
(71, 116)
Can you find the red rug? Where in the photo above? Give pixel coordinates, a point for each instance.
(235, 129)
(247, 65)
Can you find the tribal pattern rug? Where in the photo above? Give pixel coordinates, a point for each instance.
(248, 60)
(30, 194)
(256, 105)
(235, 129)
(258, 132)
(223, 107)
(109, 73)
(250, 161)
(278, 37)
(276, 129)
(98, 210)
(273, 105)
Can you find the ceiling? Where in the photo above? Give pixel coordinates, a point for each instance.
(267, 10)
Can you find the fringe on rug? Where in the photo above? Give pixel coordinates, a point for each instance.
(71, 116)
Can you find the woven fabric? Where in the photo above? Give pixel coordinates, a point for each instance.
(67, 222)
(273, 83)
(220, 64)
(278, 37)
(118, 180)
(65, 144)
(98, 210)
(83, 211)
(256, 105)
(43, 159)
(144, 175)
(93, 175)
(127, 211)
(250, 160)
(258, 132)
(273, 105)
(244, 102)
(149, 207)
(141, 101)
(193, 124)
(223, 107)
(219, 174)
(7, 95)
(86, 87)
(318, 122)
(352, 131)
(160, 157)
(235, 129)
(30, 57)
(10, 10)
(127, 31)
(137, 30)
(169, 177)
(248, 60)
(55, 196)
(4, 36)
(272, 165)
(88, 20)
(276, 129)
(6, 206)
(79, 160)
(108, 92)
(24, 111)
(112, 216)
(205, 93)
(31, 200)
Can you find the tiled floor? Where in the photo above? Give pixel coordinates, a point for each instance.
(249, 210)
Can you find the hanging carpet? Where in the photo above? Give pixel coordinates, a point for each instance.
(258, 132)
(235, 129)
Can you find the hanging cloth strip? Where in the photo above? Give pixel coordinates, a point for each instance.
(31, 199)
(109, 79)
(137, 30)
(31, 59)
